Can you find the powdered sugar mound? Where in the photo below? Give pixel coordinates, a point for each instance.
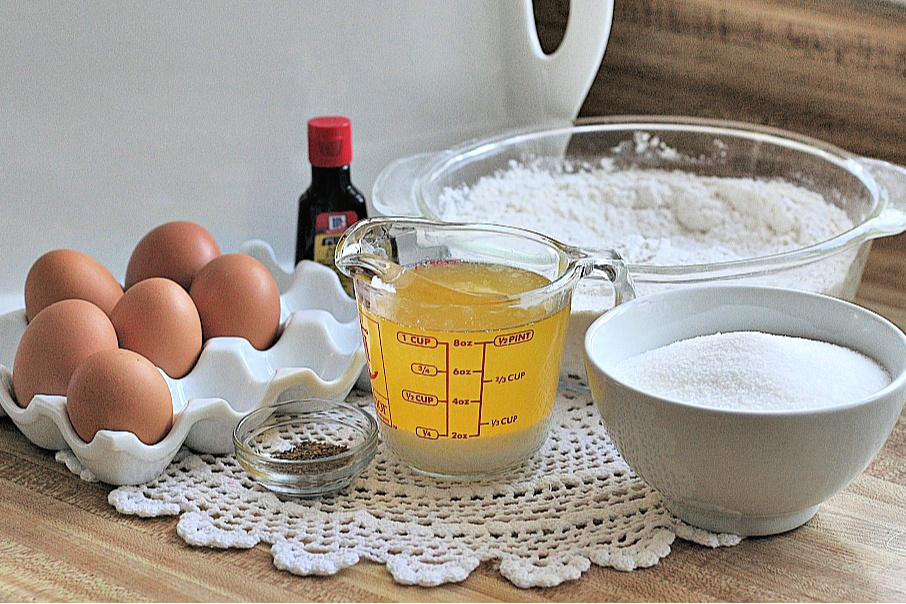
(754, 371)
(657, 217)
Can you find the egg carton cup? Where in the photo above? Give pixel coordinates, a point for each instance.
(318, 354)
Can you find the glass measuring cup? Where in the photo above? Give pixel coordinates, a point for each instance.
(464, 327)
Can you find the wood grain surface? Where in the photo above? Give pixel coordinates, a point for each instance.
(832, 69)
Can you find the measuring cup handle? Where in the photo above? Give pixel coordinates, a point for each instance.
(609, 264)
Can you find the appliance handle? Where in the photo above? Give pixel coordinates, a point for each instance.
(553, 87)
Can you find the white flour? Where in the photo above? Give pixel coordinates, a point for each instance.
(754, 371)
(655, 217)
(652, 217)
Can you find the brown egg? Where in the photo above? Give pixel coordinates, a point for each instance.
(119, 390)
(65, 274)
(237, 296)
(175, 250)
(157, 318)
(54, 343)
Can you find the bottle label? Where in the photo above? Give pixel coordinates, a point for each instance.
(329, 226)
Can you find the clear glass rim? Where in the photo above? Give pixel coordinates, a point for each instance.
(641, 272)
(576, 262)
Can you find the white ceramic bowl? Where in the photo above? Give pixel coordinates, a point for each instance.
(735, 471)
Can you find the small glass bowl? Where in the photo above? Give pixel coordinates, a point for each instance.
(306, 447)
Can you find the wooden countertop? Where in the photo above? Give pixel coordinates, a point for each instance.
(61, 541)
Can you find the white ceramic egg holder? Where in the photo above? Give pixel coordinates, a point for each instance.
(319, 354)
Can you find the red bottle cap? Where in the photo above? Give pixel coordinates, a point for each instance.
(329, 141)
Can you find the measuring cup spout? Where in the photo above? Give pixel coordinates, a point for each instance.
(367, 267)
(362, 253)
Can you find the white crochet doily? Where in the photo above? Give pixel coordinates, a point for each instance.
(576, 503)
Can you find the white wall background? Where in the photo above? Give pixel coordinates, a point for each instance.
(118, 116)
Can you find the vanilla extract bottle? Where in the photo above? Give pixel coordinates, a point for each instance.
(331, 204)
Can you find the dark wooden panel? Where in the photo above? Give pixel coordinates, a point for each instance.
(833, 69)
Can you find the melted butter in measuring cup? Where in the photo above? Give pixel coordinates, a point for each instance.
(463, 382)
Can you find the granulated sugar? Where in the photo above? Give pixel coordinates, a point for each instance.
(754, 371)
(654, 217)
